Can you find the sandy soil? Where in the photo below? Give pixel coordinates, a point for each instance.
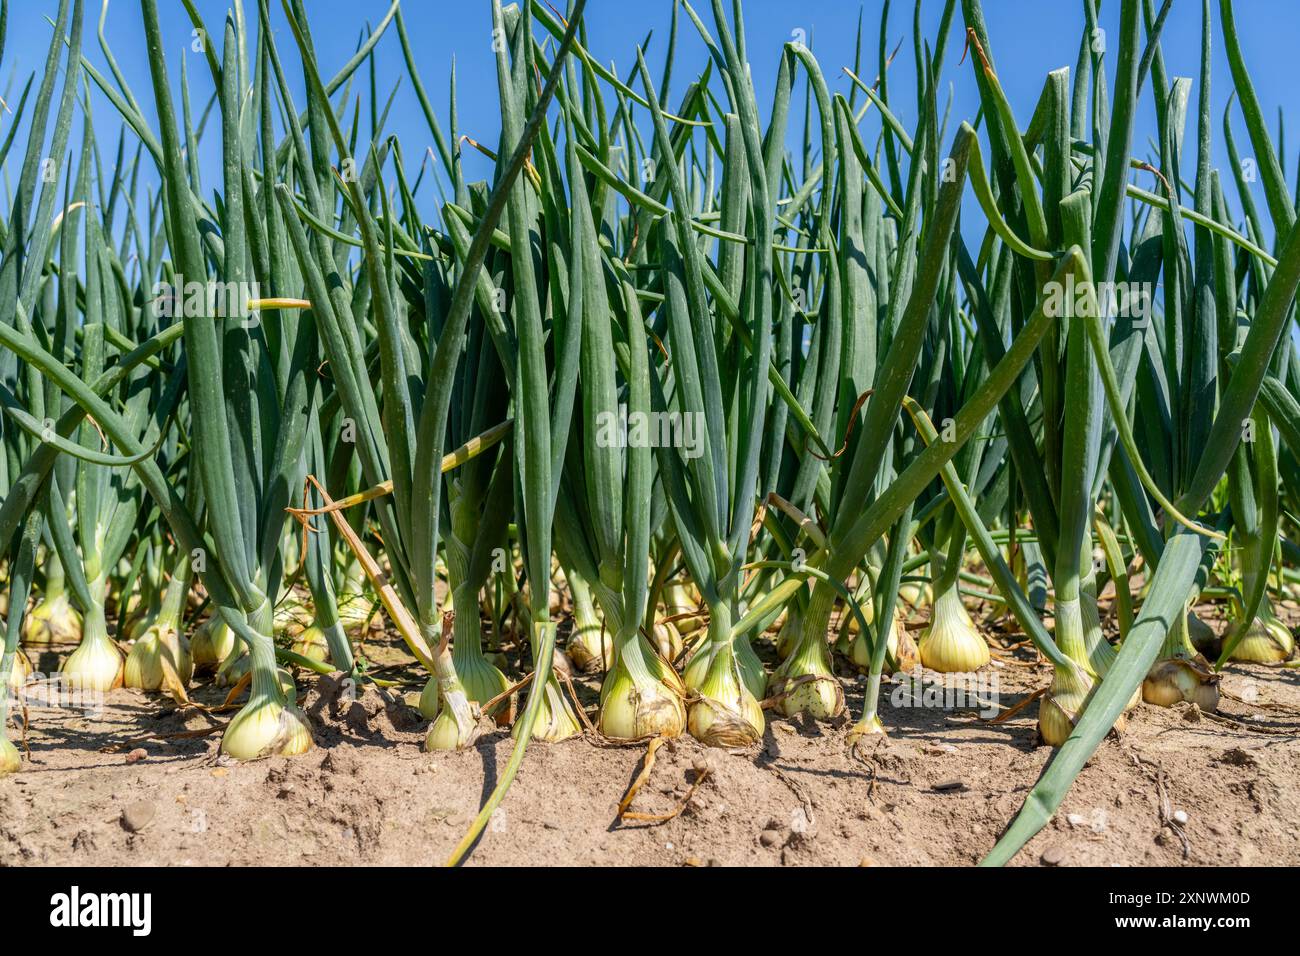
(120, 788)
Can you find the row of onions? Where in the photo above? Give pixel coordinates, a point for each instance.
(673, 382)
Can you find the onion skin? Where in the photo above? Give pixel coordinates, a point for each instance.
(715, 724)
(725, 714)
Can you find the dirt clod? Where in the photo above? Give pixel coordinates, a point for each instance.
(137, 816)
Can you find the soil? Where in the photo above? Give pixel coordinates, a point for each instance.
(120, 788)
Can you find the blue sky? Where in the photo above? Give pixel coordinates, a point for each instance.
(1029, 39)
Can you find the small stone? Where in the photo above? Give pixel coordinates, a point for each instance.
(136, 755)
(1053, 855)
(1193, 714)
(1180, 817)
(769, 838)
(946, 786)
(137, 816)
(220, 772)
(668, 846)
(1076, 819)
(692, 861)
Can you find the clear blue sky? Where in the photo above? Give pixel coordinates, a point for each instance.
(1029, 38)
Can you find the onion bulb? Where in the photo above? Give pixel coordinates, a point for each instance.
(10, 760)
(668, 640)
(52, 621)
(1267, 641)
(725, 714)
(916, 593)
(96, 664)
(160, 659)
(900, 644)
(867, 727)
(480, 680)
(640, 706)
(292, 616)
(19, 672)
(951, 644)
(787, 638)
(353, 602)
(233, 666)
(556, 720)
(211, 643)
(267, 727)
(1181, 673)
(454, 725)
(311, 643)
(678, 600)
(1177, 678)
(805, 683)
(751, 668)
(1064, 702)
